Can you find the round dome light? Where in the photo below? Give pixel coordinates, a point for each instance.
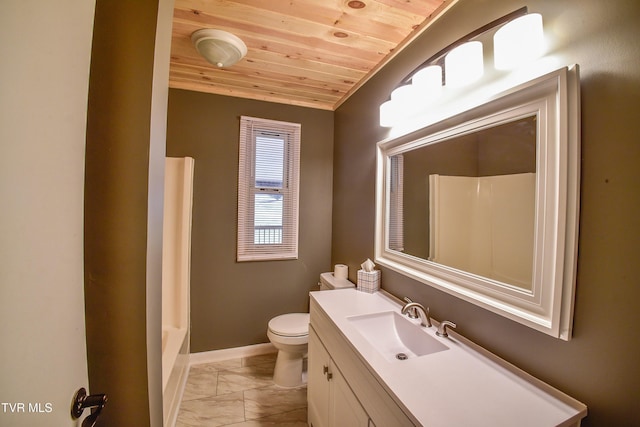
(220, 48)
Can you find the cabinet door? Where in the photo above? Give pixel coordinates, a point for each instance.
(318, 384)
(345, 409)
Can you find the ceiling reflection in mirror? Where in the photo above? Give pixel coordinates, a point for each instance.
(468, 202)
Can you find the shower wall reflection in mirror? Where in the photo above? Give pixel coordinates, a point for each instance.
(469, 203)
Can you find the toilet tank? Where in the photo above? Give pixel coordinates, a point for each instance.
(328, 281)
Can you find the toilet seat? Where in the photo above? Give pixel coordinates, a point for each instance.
(291, 325)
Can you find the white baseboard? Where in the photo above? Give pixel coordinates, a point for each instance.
(231, 353)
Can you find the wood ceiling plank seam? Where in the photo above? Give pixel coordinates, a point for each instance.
(327, 42)
(362, 21)
(329, 53)
(274, 80)
(324, 77)
(302, 102)
(276, 24)
(348, 67)
(251, 74)
(285, 87)
(298, 69)
(403, 9)
(308, 13)
(397, 12)
(300, 74)
(323, 43)
(248, 17)
(260, 90)
(374, 29)
(183, 48)
(249, 69)
(319, 11)
(417, 7)
(253, 94)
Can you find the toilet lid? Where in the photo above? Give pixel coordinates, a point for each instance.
(290, 325)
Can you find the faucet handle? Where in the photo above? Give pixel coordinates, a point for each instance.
(413, 311)
(442, 328)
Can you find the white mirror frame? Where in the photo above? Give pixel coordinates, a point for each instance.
(548, 306)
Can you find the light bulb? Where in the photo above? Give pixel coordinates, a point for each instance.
(464, 64)
(428, 81)
(518, 42)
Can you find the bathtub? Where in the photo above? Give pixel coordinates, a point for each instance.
(176, 278)
(172, 341)
(175, 369)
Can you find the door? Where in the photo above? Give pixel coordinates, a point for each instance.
(345, 409)
(318, 384)
(44, 73)
(331, 401)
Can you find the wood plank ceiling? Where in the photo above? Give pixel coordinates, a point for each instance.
(311, 53)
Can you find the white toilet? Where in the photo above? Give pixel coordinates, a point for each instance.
(289, 333)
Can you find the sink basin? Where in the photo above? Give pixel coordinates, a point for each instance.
(395, 337)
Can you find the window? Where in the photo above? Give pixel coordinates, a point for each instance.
(268, 189)
(396, 203)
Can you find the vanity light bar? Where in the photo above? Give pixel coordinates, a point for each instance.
(520, 40)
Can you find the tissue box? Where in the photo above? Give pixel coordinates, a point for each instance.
(368, 281)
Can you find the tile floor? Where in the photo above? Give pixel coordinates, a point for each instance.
(240, 393)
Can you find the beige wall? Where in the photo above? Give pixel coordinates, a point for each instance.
(600, 364)
(231, 303)
(124, 183)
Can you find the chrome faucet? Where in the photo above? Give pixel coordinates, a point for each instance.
(410, 309)
(442, 329)
(412, 312)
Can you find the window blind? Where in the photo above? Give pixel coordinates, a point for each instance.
(396, 203)
(268, 189)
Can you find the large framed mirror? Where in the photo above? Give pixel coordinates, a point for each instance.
(484, 204)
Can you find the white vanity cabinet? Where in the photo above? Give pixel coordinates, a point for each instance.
(354, 381)
(341, 390)
(331, 401)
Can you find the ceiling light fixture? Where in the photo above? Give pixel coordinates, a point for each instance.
(220, 48)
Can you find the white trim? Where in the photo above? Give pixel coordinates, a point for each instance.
(253, 130)
(230, 353)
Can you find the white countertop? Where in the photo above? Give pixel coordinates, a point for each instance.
(461, 386)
